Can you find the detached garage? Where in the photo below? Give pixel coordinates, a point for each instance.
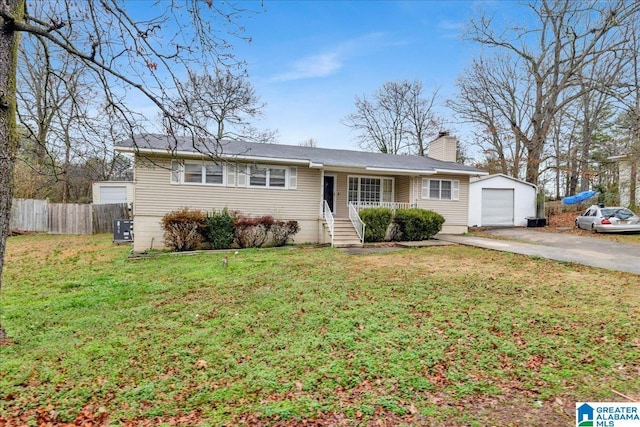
(107, 192)
(501, 200)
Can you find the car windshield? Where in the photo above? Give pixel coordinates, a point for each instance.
(622, 213)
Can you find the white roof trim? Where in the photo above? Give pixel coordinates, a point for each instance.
(455, 172)
(512, 178)
(220, 156)
(405, 171)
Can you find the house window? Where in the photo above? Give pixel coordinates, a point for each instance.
(214, 173)
(267, 176)
(370, 191)
(197, 173)
(193, 173)
(440, 189)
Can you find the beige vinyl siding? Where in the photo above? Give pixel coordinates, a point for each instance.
(444, 148)
(403, 189)
(155, 196)
(455, 212)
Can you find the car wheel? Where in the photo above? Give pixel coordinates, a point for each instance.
(593, 229)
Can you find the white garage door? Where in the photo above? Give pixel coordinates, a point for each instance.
(113, 195)
(497, 206)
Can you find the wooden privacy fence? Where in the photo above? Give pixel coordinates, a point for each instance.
(65, 218)
(70, 218)
(29, 215)
(103, 216)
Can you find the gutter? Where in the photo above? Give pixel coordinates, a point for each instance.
(222, 156)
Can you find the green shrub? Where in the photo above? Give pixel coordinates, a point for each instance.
(183, 229)
(418, 224)
(219, 229)
(377, 222)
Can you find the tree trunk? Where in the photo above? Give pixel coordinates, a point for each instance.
(534, 158)
(633, 182)
(572, 182)
(8, 131)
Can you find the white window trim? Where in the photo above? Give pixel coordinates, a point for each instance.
(425, 193)
(381, 178)
(287, 177)
(178, 166)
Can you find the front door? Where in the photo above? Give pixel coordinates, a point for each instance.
(328, 190)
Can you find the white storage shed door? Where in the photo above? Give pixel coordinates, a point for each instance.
(113, 195)
(497, 206)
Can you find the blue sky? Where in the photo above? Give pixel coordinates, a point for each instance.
(309, 59)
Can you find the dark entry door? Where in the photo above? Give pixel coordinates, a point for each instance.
(329, 186)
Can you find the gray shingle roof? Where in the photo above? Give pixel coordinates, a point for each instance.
(325, 157)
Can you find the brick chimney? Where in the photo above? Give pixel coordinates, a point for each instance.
(444, 147)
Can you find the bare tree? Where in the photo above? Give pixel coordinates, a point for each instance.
(64, 122)
(223, 102)
(127, 57)
(423, 123)
(626, 91)
(566, 38)
(493, 112)
(397, 119)
(595, 111)
(311, 142)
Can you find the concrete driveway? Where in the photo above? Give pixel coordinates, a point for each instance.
(591, 251)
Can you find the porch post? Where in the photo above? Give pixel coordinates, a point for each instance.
(322, 193)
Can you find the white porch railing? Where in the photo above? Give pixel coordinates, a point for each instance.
(391, 205)
(328, 217)
(356, 221)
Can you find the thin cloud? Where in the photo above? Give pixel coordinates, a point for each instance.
(450, 29)
(330, 62)
(321, 65)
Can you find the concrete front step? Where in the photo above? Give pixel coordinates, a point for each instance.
(344, 235)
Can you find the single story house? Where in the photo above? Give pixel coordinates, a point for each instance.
(320, 188)
(501, 200)
(106, 192)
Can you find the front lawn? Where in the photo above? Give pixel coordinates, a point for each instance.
(439, 336)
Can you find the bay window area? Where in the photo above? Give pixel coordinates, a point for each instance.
(370, 191)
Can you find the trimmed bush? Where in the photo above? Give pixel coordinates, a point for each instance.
(183, 229)
(281, 231)
(377, 222)
(252, 232)
(219, 229)
(418, 224)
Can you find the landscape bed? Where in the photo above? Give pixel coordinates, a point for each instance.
(438, 336)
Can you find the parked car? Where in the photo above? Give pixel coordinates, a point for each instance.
(608, 219)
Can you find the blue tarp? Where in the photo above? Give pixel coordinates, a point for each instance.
(580, 197)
